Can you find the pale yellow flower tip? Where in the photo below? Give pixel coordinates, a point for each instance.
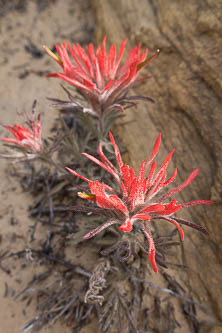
(53, 55)
(88, 196)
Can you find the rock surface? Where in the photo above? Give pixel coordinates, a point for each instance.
(186, 84)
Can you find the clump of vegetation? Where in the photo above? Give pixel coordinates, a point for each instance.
(107, 277)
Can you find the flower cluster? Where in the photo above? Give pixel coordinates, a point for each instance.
(104, 80)
(27, 138)
(99, 75)
(135, 201)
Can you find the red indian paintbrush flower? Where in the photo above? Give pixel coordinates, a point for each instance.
(138, 198)
(99, 76)
(29, 139)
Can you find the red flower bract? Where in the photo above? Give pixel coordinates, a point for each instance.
(99, 75)
(135, 201)
(29, 139)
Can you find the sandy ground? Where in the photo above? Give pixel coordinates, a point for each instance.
(22, 25)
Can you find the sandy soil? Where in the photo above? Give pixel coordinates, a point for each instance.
(25, 26)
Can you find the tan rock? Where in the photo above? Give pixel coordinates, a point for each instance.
(186, 84)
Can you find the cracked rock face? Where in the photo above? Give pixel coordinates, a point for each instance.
(186, 84)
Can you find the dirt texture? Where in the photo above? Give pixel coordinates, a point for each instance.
(186, 84)
(25, 26)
